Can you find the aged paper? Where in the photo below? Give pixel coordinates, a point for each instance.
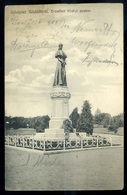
(92, 38)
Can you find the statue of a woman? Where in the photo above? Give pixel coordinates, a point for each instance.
(60, 74)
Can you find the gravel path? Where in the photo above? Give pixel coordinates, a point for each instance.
(100, 169)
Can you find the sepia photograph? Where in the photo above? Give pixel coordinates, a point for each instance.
(64, 115)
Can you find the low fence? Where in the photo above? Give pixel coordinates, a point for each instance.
(63, 144)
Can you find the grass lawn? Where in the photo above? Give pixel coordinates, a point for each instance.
(98, 130)
(102, 130)
(100, 169)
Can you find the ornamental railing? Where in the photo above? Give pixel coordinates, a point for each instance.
(63, 144)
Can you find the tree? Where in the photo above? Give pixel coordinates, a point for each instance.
(113, 125)
(67, 126)
(74, 116)
(98, 111)
(116, 122)
(85, 121)
(39, 123)
(120, 119)
(97, 118)
(102, 118)
(41, 127)
(106, 120)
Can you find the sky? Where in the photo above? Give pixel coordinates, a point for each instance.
(93, 43)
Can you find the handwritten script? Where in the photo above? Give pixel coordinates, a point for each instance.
(98, 42)
(43, 160)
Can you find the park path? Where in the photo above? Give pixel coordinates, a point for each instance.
(100, 169)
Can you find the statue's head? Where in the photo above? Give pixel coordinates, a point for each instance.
(60, 46)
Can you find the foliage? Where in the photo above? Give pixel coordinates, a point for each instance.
(85, 121)
(113, 126)
(98, 111)
(67, 126)
(74, 116)
(102, 118)
(105, 119)
(119, 119)
(116, 122)
(39, 123)
(82, 122)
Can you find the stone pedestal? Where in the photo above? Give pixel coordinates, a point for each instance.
(54, 133)
(60, 106)
(60, 111)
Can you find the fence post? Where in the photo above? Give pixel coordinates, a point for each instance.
(111, 140)
(23, 140)
(44, 144)
(87, 142)
(8, 139)
(64, 145)
(92, 141)
(15, 140)
(33, 142)
(97, 141)
(81, 143)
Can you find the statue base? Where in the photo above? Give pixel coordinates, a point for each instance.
(56, 134)
(56, 122)
(60, 106)
(60, 111)
(52, 134)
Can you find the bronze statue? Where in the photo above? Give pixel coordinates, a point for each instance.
(60, 74)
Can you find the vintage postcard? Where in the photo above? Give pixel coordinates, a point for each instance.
(64, 62)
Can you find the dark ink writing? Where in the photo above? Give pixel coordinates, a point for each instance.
(26, 22)
(80, 26)
(60, 23)
(18, 46)
(89, 60)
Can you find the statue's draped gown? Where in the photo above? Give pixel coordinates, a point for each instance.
(60, 74)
